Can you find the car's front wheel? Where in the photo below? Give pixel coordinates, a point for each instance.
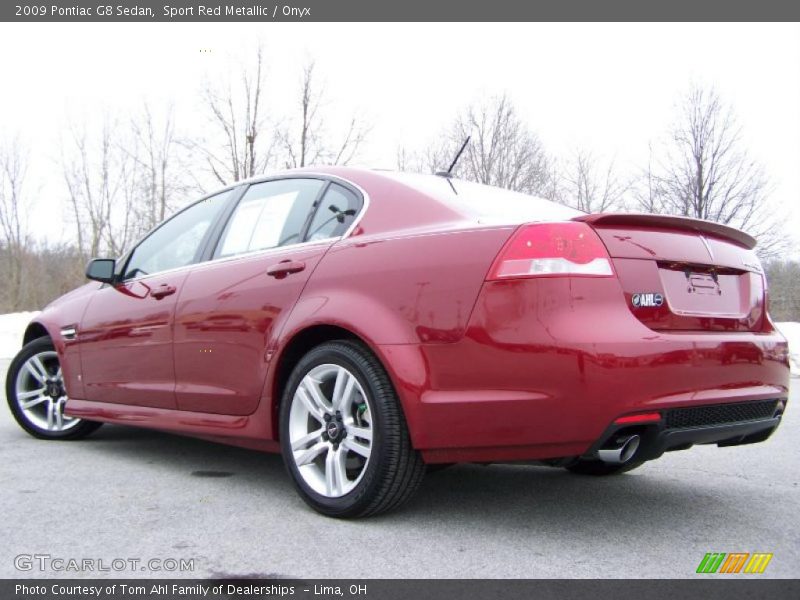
(36, 394)
(344, 438)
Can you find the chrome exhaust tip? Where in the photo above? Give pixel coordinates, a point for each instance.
(619, 450)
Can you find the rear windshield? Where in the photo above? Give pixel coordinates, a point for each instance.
(487, 204)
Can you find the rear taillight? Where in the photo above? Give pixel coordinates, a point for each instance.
(552, 249)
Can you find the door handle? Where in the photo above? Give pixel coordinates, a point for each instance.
(285, 267)
(162, 291)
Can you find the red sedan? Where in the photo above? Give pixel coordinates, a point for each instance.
(367, 324)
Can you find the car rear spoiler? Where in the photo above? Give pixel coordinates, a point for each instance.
(670, 222)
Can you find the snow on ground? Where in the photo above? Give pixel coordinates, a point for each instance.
(791, 331)
(12, 328)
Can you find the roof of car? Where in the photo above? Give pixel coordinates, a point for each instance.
(435, 198)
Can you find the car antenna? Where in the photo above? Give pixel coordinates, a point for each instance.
(449, 172)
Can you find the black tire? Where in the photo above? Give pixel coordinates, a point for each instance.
(394, 470)
(598, 468)
(80, 430)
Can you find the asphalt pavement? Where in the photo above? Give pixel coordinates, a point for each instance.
(126, 493)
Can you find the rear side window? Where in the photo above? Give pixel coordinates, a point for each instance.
(335, 213)
(271, 214)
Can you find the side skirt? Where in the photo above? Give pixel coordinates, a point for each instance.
(248, 431)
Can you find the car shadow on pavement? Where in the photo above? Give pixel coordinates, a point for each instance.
(186, 455)
(537, 500)
(519, 499)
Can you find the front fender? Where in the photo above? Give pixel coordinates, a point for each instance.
(66, 311)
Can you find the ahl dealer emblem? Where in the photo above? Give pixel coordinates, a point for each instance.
(647, 300)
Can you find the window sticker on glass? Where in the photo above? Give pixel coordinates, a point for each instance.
(274, 215)
(241, 227)
(271, 214)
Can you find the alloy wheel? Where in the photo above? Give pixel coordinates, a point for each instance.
(331, 430)
(40, 393)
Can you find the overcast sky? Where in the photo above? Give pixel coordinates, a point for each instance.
(611, 88)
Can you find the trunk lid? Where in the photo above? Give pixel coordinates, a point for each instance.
(684, 274)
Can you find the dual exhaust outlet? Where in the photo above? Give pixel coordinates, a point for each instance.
(619, 450)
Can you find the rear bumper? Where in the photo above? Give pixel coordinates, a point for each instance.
(546, 367)
(732, 428)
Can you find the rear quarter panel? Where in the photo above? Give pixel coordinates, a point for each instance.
(406, 289)
(402, 290)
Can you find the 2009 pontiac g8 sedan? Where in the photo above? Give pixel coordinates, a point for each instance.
(366, 324)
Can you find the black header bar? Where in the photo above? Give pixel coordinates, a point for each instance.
(705, 587)
(397, 10)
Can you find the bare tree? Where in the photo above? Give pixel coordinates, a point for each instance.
(241, 146)
(503, 151)
(13, 223)
(99, 179)
(49, 270)
(589, 186)
(430, 160)
(155, 154)
(783, 278)
(307, 141)
(706, 172)
(647, 191)
(34, 273)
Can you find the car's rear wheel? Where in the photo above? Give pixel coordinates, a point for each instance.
(599, 468)
(344, 438)
(36, 394)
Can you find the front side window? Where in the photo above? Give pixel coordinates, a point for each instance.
(271, 214)
(335, 213)
(177, 242)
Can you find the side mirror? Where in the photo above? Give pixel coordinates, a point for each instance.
(101, 269)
